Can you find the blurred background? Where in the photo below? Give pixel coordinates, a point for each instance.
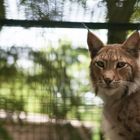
(45, 91)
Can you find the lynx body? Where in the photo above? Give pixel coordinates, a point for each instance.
(115, 76)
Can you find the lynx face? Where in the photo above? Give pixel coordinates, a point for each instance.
(114, 67)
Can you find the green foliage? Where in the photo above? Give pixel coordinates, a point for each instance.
(52, 84)
(55, 72)
(136, 14)
(11, 79)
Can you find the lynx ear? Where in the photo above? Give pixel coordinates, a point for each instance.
(132, 44)
(94, 44)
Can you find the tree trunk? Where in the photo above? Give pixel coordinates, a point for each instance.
(2, 10)
(119, 11)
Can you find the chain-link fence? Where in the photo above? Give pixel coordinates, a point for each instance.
(45, 94)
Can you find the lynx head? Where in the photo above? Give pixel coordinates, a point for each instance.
(114, 67)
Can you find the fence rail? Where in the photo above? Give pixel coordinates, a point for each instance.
(65, 24)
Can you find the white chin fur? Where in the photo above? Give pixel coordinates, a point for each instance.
(105, 94)
(116, 93)
(134, 86)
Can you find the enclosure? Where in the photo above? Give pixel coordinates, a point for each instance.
(45, 90)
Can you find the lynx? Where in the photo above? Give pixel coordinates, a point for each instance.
(115, 76)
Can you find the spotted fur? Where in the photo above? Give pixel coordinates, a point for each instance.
(115, 76)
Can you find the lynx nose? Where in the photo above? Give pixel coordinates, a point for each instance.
(108, 81)
(108, 77)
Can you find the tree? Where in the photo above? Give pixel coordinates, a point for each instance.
(2, 9)
(120, 12)
(61, 97)
(43, 9)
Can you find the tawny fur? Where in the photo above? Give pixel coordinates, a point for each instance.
(115, 76)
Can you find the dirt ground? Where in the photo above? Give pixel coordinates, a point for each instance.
(48, 131)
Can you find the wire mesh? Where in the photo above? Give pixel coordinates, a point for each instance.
(49, 97)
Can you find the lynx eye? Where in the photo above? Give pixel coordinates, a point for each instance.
(121, 65)
(99, 64)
